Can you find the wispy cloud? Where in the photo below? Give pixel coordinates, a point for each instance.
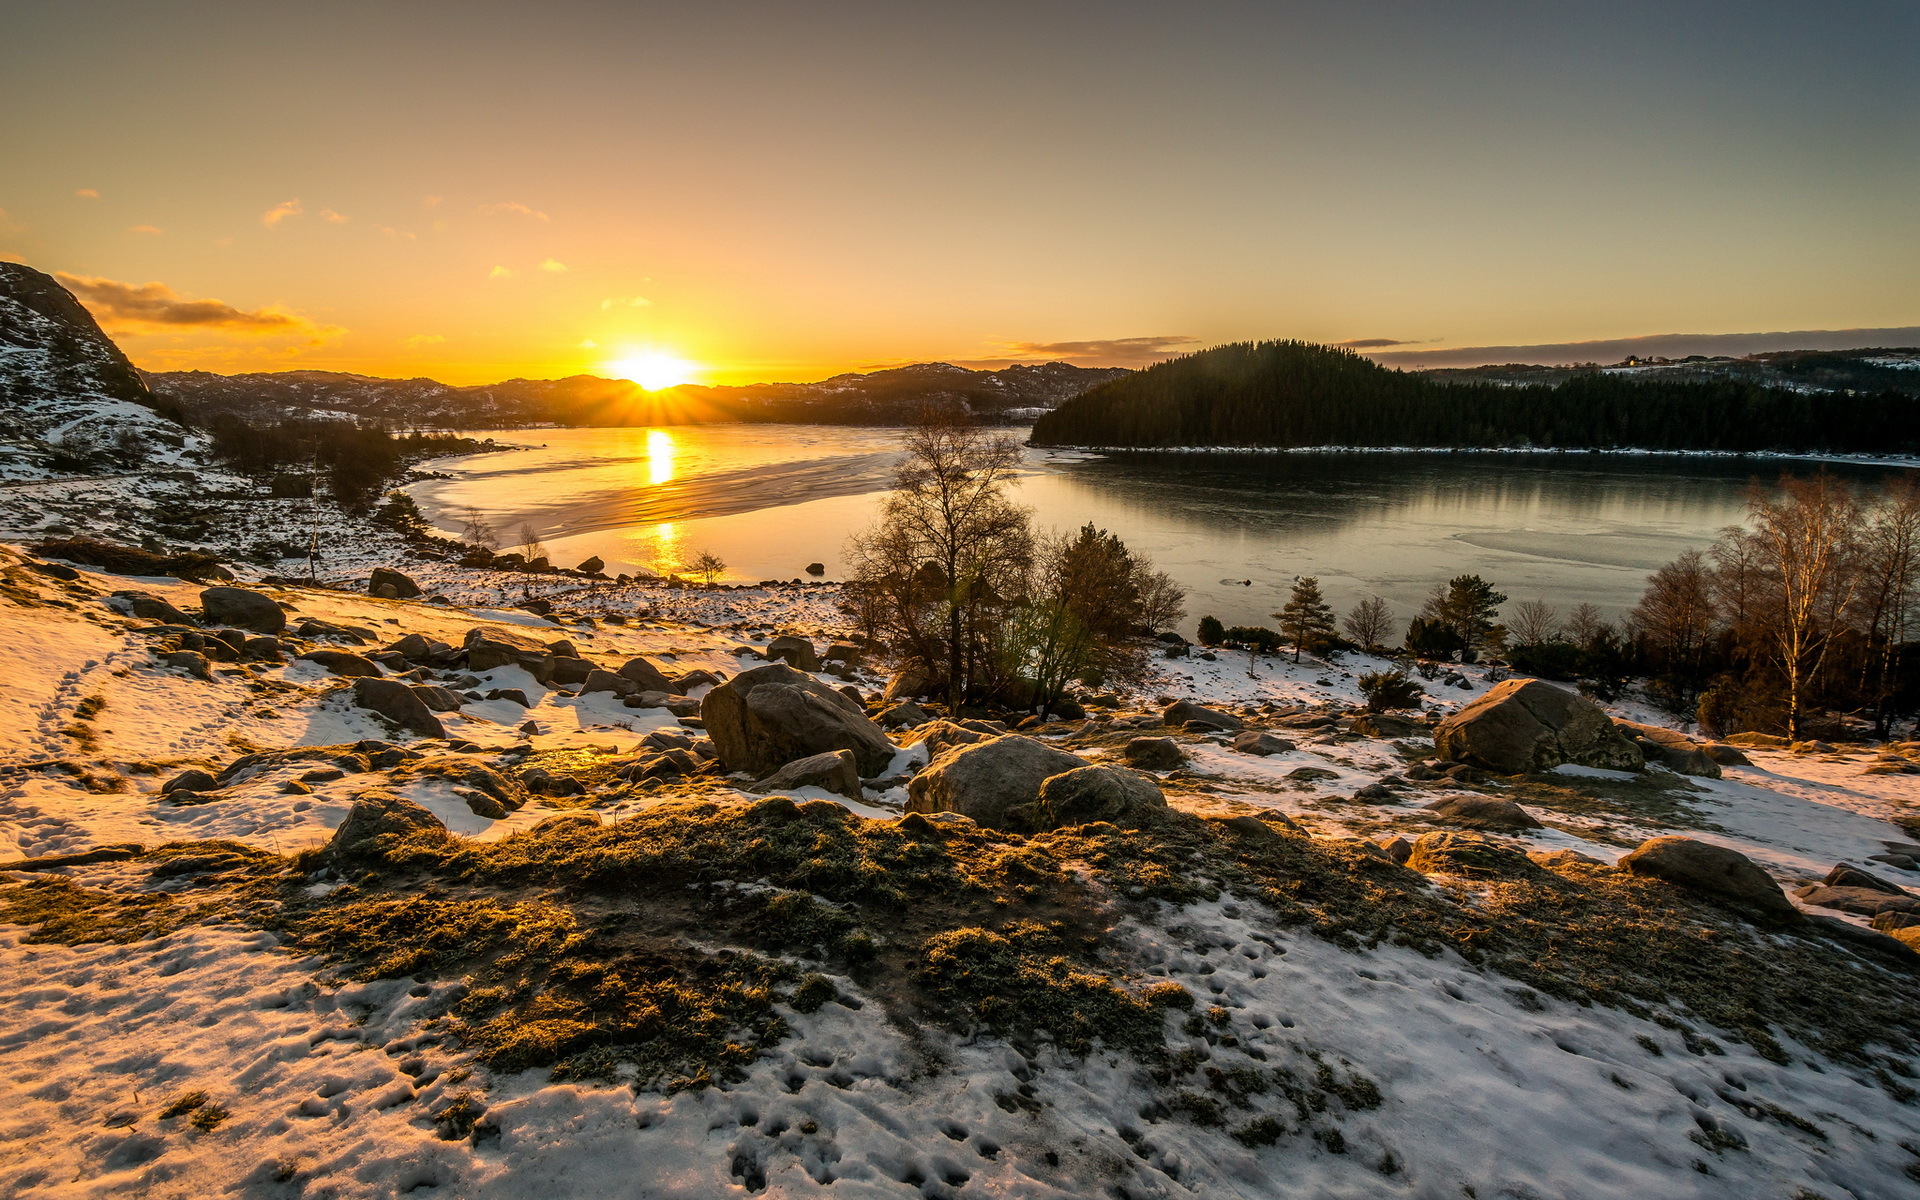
(1662, 345)
(553, 264)
(280, 212)
(86, 194)
(1100, 352)
(512, 208)
(425, 339)
(143, 229)
(333, 218)
(499, 272)
(624, 302)
(157, 305)
(1373, 343)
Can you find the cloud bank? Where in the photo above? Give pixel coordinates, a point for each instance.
(1099, 352)
(1659, 345)
(156, 304)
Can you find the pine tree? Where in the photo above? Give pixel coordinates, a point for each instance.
(1212, 632)
(1306, 618)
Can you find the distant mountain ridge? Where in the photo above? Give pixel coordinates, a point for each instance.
(883, 397)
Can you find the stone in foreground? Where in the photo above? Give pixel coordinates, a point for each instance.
(765, 718)
(242, 608)
(399, 704)
(1527, 725)
(984, 780)
(1085, 795)
(835, 771)
(1716, 871)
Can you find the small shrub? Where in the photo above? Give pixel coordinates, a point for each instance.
(1386, 690)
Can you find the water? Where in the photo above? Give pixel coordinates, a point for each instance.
(1233, 529)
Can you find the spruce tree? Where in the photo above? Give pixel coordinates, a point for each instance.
(1306, 618)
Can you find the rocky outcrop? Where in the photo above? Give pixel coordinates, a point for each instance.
(765, 718)
(399, 704)
(149, 607)
(1526, 725)
(1258, 742)
(391, 584)
(1085, 795)
(490, 646)
(341, 662)
(1180, 712)
(1482, 812)
(1672, 749)
(797, 652)
(1154, 754)
(646, 677)
(835, 771)
(984, 780)
(377, 817)
(1469, 854)
(1707, 869)
(242, 608)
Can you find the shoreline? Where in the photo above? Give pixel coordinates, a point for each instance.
(1865, 460)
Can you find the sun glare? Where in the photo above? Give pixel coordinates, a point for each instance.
(653, 371)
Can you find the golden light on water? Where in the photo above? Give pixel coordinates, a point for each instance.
(654, 370)
(660, 459)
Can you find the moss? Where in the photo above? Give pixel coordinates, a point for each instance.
(62, 912)
(1019, 979)
(186, 1102)
(209, 1117)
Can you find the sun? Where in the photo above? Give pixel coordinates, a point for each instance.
(653, 370)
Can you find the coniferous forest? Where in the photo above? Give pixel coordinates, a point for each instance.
(1290, 393)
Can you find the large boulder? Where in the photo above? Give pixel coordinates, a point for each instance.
(835, 771)
(1467, 854)
(341, 662)
(1088, 794)
(1261, 743)
(391, 584)
(149, 607)
(1672, 749)
(765, 718)
(399, 704)
(984, 780)
(1526, 725)
(375, 815)
(942, 736)
(1482, 812)
(646, 677)
(904, 685)
(1153, 754)
(1712, 870)
(1862, 901)
(797, 651)
(1177, 714)
(242, 608)
(608, 681)
(490, 646)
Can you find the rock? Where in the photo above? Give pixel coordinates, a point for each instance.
(193, 781)
(1462, 773)
(984, 780)
(1526, 725)
(1888, 922)
(904, 685)
(647, 677)
(1845, 875)
(679, 706)
(1422, 773)
(1311, 774)
(1154, 754)
(191, 661)
(942, 736)
(698, 677)
(1865, 901)
(835, 771)
(608, 681)
(904, 715)
(438, 699)
(1482, 812)
(242, 608)
(341, 662)
(263, 649)
(593, 566)
(765, 718)
(1180, 712)
(149, 607)
(412, 647)
(1259, 829)
(816, 568)
(1903, 944)
(542, 782)
(1712, 870)
(1450, 853)
(1552, 859)
(1398, 848)
(662, 764)
(514, 695)
(1375, 793)
(1758, 741)
(571, 670)
(1672, 749)
(844, 652)
(397, 703)
(1726, 755)
(491, 646)
(797, 651)
(1085, 795)
(1261, 743)
(385, 581)
(476, 776)
(378, 815)
(1383, 725)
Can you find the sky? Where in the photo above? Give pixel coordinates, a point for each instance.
(480, 191)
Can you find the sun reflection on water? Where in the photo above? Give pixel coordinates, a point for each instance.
(659, 458)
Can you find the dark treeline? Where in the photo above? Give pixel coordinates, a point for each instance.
(1298, 394)
(355, 460)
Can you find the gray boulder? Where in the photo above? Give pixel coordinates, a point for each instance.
(905, 685)
(242, 608)
(765, 718)
(1482, 812)
(984, 780)
(149, 607)
(844, 652)
(1254, 741)
(905, 715)
(1863, 901)
(438, 699)
(1180, 712)
(1470, 854)
(593, 566)
(835, 771)
(1085, 795)
(191, 661)
(380, 814)
(391, 584)
(1526, 725)
(1712, 870)
(608, 681)
(192, 781)
(942, 736)
(571, 670)
(399, 704)
(491, 646)
(1261, 829)
(797, 651)
(341, 662)
(1153, 753)
(646, 677)
(1672, 749)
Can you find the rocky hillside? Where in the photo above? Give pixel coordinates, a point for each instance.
(874, 398)
(70, 402)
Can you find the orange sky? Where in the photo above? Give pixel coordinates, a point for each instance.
(480, 191)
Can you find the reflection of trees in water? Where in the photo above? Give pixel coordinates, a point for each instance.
(1291, 490)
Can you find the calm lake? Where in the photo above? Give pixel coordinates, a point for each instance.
(1235, 529)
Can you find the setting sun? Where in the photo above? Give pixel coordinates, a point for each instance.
(653, 371)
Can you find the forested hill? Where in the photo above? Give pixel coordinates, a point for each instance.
(1291, 393)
